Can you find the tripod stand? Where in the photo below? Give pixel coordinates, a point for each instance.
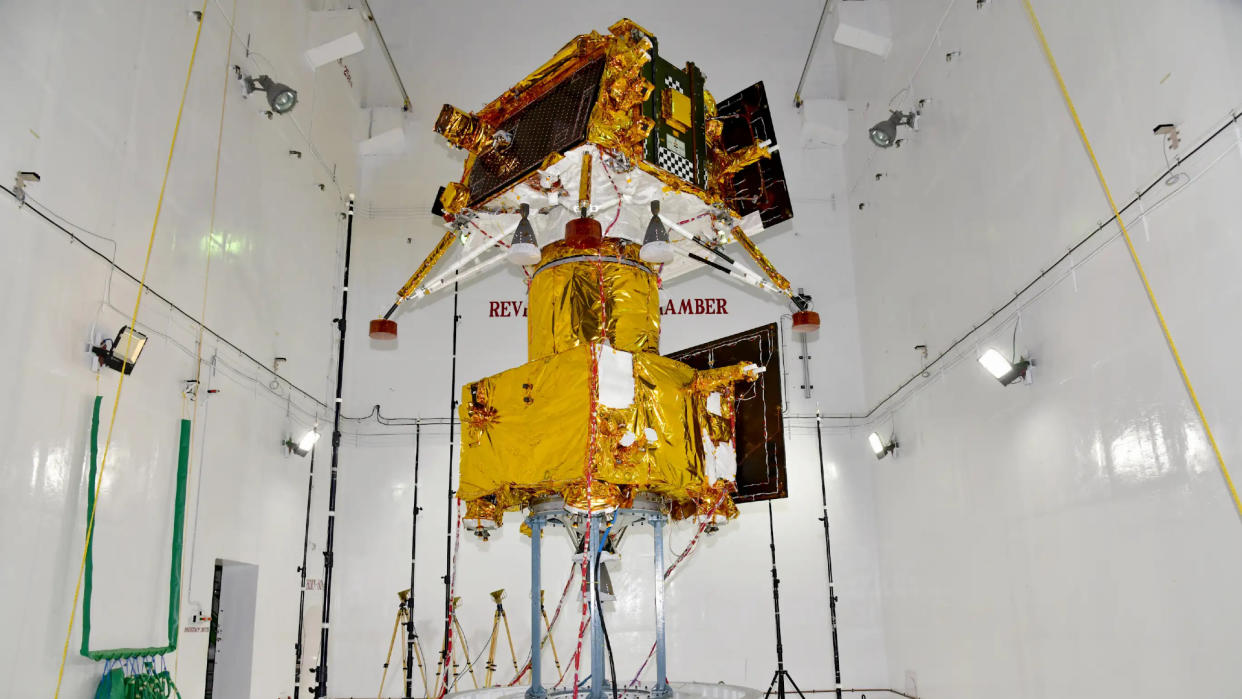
(781, 674)
(403, 617)
(500, 616)
(465, 650)
(544, 613)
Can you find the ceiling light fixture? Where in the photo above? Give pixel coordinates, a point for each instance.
(884, 134)
(121, 353)
(524, 248)
(1004, 370)
(879, 447)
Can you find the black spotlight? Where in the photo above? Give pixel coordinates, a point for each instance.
(121, 354)
(280, 97)
(884, 134)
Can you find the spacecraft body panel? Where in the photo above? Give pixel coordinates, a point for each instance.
(571, 296)
(597, 406)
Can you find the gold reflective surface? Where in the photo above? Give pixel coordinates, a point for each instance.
(593, 300)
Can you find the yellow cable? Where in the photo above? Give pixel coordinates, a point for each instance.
(202, 316)
(120, 382)
(1138, 265)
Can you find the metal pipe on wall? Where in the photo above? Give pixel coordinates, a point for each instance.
(321, 674)
(806, 67)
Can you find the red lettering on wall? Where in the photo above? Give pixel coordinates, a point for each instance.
(671, 307)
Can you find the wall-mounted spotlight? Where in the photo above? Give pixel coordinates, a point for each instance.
(24, 177)
(524, 248)
(280, 97)
(305, 443)
(122, 352)
(1002, 369)
(879, 447)
(656, 249)
(884, 134)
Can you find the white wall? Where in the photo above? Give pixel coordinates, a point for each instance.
(1072, 538)
(90, 94)
(725, 636)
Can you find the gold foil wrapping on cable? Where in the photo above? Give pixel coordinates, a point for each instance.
(760, 259)
(427, 265)
(565, 303)
(531, 431)
(584, 182)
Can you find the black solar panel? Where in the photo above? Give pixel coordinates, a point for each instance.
(554, 123)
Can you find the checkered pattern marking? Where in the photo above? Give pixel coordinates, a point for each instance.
(676, 164)
(672, 83)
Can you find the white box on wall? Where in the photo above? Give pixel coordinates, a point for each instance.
(865, 25)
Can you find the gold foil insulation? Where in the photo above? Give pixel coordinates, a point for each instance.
(617, 121)
(464, 130)
(606, 294)
(535, 430)
(428, 264)
(760, 259)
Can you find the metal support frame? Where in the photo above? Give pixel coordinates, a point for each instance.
(536, 690)
(553, 512)
(661, 690)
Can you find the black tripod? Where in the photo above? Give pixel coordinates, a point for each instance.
(781, 674)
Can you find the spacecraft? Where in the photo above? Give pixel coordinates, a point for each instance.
(645, 176)
(648, 177)
(606, 173)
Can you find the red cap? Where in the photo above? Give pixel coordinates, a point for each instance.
(383, 329)
(583, 233)
(805, 322)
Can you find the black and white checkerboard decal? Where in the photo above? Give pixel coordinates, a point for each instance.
(671, 83)
(676, 164)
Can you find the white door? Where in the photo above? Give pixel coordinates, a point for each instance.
(230, 650)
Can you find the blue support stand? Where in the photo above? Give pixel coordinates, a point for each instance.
(553, 512)
(536, 690)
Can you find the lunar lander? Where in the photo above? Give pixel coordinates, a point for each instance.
(605, 173)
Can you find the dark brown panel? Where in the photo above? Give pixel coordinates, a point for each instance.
(759, 426)
(745, 120)
(553, 123)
